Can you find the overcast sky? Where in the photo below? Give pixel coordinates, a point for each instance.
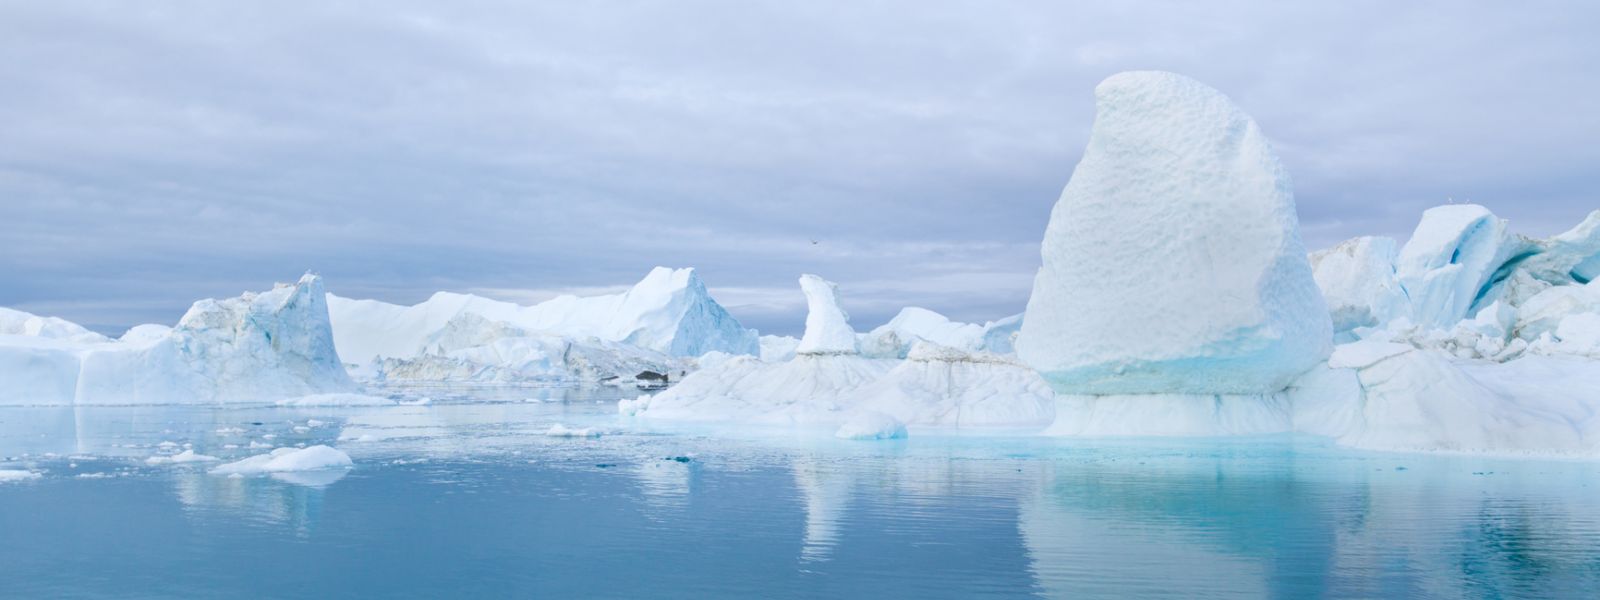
(153, 153)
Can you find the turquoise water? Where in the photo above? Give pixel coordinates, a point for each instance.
(468, 498)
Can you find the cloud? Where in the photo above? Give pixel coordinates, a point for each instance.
(162, 152)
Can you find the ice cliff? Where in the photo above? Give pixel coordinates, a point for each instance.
(1173, 261)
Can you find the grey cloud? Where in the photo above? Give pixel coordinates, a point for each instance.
(159, 152)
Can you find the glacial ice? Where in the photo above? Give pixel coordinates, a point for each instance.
(284, 460)
(1451, 259)
(827, 324)
(947, 387)
(668, 312)
(870, 425)
(16, 322)
(252, 348)
(1358, 281)
(1174, 170)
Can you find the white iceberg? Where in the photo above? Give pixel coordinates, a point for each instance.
(255, 347)
(946, 387)
(827, 324)
(1173, 261)
(284, 460)
(1358, 282)
(1450, 261)
(16, 322)
(669, 312)
(870, 425)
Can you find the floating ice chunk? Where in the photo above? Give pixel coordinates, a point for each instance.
(1173, 261)
(336, 400)
(1358, 282)
(559, 430)
(15, 475)
(288, 459)
(827, 324)
(871, 425)
(187, 456)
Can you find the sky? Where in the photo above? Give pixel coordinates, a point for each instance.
(155, 153)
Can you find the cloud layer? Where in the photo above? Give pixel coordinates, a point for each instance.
(159, 152)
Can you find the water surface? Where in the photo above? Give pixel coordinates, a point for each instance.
(468, 498)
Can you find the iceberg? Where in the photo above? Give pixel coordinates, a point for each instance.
(913, 324)
(18, 323)
(805, 390)
(288, 460)
(1357, 279)
(1453, 256)
(947, 387)
(827, 324)
(255, 347)
(1173, 261)
(668, 312)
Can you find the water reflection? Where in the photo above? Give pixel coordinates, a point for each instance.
(798, 515)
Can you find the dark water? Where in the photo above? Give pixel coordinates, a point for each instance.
(472, 500)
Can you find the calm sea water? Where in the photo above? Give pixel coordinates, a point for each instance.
(467, 498)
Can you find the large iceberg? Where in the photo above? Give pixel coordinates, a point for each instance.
(1453, 257)
(256, 347)
(913, 324)
(1173, 261)
(667, 316)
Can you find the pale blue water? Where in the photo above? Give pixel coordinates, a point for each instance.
(470, 500)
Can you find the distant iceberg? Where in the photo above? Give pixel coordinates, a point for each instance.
(664, 319)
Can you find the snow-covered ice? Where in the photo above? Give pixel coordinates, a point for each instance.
(1173, 261)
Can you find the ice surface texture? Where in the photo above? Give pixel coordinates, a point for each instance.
(1173, 261)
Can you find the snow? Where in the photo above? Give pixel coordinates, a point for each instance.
(282, 460)
(1358, 282)
(1365, 353)
(15, 475)
(1174, 170)
(472, 349)
(827, 324)
(1450, 260)
(669, 312)
(870, 425)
